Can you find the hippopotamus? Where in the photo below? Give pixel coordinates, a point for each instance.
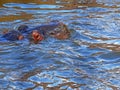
(12, 35)
(54, 29)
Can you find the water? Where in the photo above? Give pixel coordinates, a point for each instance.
(88, 60)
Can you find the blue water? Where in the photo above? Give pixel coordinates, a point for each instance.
(88, 60)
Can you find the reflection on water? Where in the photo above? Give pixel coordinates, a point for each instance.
(88, 60)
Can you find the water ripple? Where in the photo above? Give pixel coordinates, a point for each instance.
(30, 5)
(88, 60)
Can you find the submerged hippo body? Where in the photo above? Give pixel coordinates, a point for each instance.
(54, 29)
(44, 29)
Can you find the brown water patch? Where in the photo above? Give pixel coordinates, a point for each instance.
(15, 17)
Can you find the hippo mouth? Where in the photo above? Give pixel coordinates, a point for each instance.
(36, 36)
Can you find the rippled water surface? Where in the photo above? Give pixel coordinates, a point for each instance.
(88, 60)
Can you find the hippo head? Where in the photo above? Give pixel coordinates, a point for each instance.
(61, 32)
(13, 35)
(36, 36)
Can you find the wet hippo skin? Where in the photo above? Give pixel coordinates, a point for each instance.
(54, 29)
(13, 35)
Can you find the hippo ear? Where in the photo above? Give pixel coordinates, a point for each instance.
(22, 28)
